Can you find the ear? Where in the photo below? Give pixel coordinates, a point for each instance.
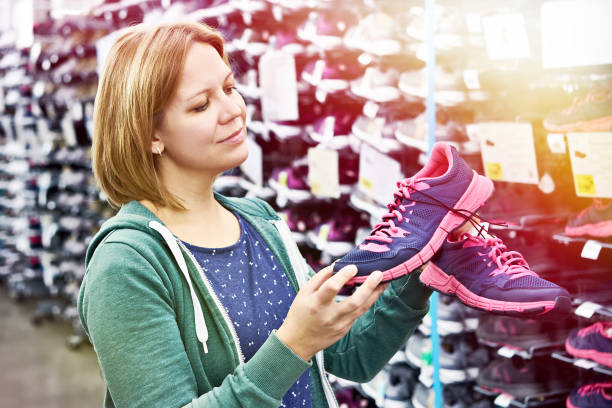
(157, 145)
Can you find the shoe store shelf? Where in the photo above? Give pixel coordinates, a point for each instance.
(565, 239)
(540, 350)
(582, 363)
(539, 400)
(591, 310)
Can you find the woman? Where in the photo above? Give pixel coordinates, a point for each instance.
(194, 299)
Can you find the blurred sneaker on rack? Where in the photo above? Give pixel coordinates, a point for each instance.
(598, 395)
(592, 113)
(326, 29)
(453, 317)
(413, 132)
(594, 221)
(400, 386)
(425, 208)
(377, 85)
(375, 34)
(521, 332)
(484, 274)
(292, 183)
(450, 88)
(337, 236)
(331, 76)
(593, 342)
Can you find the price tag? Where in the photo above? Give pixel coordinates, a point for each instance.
(503, 400)
(68, 131)
(556, 143)
(563, 47)
(507, 352)
(591, 250)
(323, 174)
(278, 83)
(587, 309)
(591, 165)
(370, 109)
(378, 174)
(323, 234)
(328, 127)
(587, 364)
(253, 165)
(470, 77)
(506, 36)
(508, 151)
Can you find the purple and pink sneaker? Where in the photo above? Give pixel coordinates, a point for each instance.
(483, 274)
(426, 207)
(594, 221)
(593, 342)
(598, 395)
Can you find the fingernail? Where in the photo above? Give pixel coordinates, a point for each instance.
(377, 275)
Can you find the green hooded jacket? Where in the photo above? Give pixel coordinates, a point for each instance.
(163, 339)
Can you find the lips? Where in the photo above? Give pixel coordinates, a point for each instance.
(236, 137)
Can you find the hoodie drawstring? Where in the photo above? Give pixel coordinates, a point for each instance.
(200, 324)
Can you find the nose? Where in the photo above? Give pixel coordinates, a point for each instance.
(232, 107)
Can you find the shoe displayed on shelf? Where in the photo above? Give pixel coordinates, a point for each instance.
(400, 386)
(593, 221)
(455, 396)
(453, 317)
(526, 378)
(426, 207)
(484, 274)
(598, 395)
(337, 236)
(592, 113)
(521, 332)
(593, 342)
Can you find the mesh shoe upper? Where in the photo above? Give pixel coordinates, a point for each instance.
(594, 337)
(486, 268)
(596, 395)
(414, 215)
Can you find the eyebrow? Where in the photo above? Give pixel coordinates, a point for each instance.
(207, 89)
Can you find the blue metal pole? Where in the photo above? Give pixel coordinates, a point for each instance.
(431, 127)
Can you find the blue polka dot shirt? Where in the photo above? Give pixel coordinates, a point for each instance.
(253, 289)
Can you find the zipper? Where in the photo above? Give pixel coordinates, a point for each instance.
(297, 263)
(216, 300)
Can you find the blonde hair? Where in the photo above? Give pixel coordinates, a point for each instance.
(140, 76)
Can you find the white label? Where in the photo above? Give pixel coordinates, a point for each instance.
(503, 400)
(1, 98)
(587, 309)
(68, 131)
(508, 151)
(278, 83)
(253, 165)
(506, 352)
(277, 13)
(591, 250)
(591, 165)
(587, 364)
(378, 174)
(576, 33)
(328, 127)
(370, 109)
(506, 36)
(323, 176)
(556, 143)
(317, 72)
(320, 95)
(470, 77)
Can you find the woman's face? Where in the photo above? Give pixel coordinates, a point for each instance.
(203, 127)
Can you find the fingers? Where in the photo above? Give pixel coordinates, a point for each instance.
(330, 288)
(358, 301)
(319, 278)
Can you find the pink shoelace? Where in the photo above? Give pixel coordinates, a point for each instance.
(508, 262)
(384, 231)
(598, 388)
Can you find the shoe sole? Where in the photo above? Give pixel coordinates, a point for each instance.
(602, 124)
(601, 230)
(474, 197)
(568, 403)
(595, 355)
(435, 278)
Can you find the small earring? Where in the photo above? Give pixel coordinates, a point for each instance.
(158, 150)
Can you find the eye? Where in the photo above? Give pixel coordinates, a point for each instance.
(201, 108)
(230, 89)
